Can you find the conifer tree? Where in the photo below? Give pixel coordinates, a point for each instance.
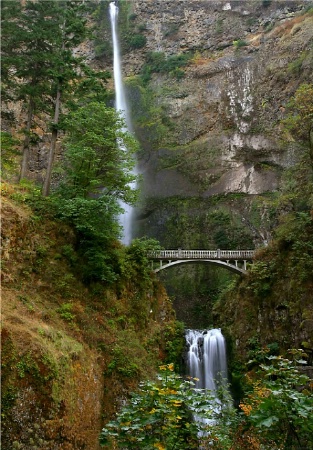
(66, 68)
(27, 44)
(39, 67)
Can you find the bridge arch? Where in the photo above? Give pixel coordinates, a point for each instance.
(232, 267)
(228, 259)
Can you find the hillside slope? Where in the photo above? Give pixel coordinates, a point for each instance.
(70, 352)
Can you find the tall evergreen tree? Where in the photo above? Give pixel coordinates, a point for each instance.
(66, 68)
(27, 44)
(39, 67)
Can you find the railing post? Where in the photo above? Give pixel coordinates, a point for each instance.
(218, 253)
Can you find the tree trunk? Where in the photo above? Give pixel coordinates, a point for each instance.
(30, 115)
(311, 145)
(54, 135)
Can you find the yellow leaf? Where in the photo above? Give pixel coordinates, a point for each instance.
(159, 446)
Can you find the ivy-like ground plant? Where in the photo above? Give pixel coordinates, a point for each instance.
(279, 409)
(161, 416)
(170, 414)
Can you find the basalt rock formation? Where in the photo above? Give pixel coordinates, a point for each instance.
(213, 126)
(209, 91)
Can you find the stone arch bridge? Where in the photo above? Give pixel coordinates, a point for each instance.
(233, 260)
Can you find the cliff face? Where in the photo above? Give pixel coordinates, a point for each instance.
(208, 92)
(212, 126)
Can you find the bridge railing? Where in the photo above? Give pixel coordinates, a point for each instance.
(201, 254)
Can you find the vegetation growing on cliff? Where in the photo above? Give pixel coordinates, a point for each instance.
(84, 319)
(81, 308)
(71, 351)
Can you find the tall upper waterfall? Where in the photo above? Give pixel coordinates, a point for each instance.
(125, 219)
(206, 359)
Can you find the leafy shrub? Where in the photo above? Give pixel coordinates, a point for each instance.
(9, 152)
(97, 172)
(65, 312)
(69, 253)
(103, 50)
(137, 41)
(142, 27)
(137, 256)
(279, 410)
(174, 335)
(239, 43)
(160, 415)
(122, 364)
(157, 62)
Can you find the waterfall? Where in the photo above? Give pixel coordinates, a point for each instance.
(206, 361)
(206, 358)
(125, 219)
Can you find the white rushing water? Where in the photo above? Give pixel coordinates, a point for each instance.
(206, 358)
(206, 361)
(125, 219)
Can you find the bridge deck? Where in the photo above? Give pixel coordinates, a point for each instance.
(224, 255)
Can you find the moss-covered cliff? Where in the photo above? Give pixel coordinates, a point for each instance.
(70, 352)
(272, 305)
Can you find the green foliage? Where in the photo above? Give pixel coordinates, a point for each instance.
(128, 357)
(160, 415)
(99, 155)
(137, 256)
(65, 312)
(280, 408)
(96, 228)
(27, 366)
(122, 364)
(29, 193)
(299, 122)
(175, 342)
(8, 397)
(295, 67)
(137, 41)
(38, 43)
(69, 253)
(261, 275)
(103, 47)
(226, 232)
(157, 62)
(9, 152)
(149, 117)
(239, 43)
(142, 27)
(97, 172)
(103, 50)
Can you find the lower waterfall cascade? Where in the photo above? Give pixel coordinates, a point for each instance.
(206, 358)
